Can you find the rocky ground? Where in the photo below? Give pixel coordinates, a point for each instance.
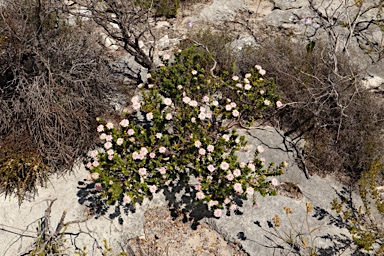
(152, 230)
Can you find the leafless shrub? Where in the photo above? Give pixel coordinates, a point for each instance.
(129, 24)
(324, 104)
(53, 82)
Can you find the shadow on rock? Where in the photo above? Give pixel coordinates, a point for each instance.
(180, 198)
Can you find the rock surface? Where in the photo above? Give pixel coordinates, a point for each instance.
(249, 228)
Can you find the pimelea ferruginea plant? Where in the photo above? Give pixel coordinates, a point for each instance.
(185, 134)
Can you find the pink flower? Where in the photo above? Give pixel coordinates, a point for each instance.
(194, 72)
(162, 149)
(144, 151)
(267, 102)
(235, 113)
(233, 207)
(153, 189)
(197, 144)
(108, 138)
(224, 166)
(262, 159)
(250, 191)
(228, 107)
(119, 141)
(239, 85)
(285, 163)
(103, 136)
(258, 67)
(110, 157)
(110, 152)
(94, 153)
(279, 104)
(252, 167)
(179, 87)
(247, 75)
(236, 172)
(274, 182)
(135, 155)
(202, 151)
(226, 137)
(235, 78)
(167, 101)
(142, 171)
(227, 200)
(159, 135)
(193, 120)
(151, 85)
(262, 72)
(186, 100)
(108, 145)
(210, 148)
(217, 213)
(109, 125)
(148, 75)
(127, 199)
(110, 182)
(162, 170)
(211, 168)
(215, 103)
(246, 81)
(89, 165)
(135, 99)
(206, 99)
(124, 123)
(149, 116)
(136, 105)
(230, 177)
(98, 186)
(166, 57)
(242, 164)
(168, 116)
(100, 128)
(238, 188)
(200, 195)
(198, 187)
(202, 116)
(95, 176)
(247, 87)
(131, 132)
(193, 103)
(261, 91)
(260, 149)
(152, 155)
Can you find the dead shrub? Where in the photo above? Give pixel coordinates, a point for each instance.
(53, 84)
(324, 104)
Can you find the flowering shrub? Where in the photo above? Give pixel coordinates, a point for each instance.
(181, 129)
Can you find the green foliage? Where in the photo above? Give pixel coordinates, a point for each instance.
(185, 136)
(366, 230)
